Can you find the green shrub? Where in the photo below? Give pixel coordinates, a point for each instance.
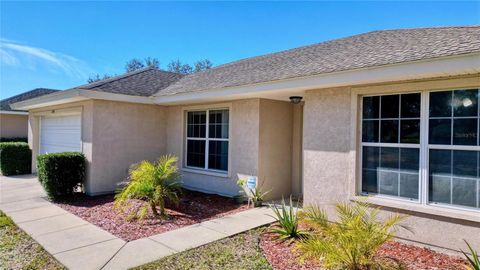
(61, 173)
(15, 158)
(14, 139)
(352, 241)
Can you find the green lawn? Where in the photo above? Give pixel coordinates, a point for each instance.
(238, 252)
(20, 251)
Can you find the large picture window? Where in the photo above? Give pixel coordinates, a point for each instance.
(207, 139)
(394, 154)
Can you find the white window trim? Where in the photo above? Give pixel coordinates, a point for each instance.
(424, 147)
(206, 170)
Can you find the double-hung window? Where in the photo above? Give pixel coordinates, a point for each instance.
(207, 140)
(394, 155)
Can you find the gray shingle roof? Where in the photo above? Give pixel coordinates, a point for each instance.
(145, 82)
(37, 92)
(365, 50)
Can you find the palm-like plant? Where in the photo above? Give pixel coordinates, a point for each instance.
(153, 183)
(286, 216)
(352, 241)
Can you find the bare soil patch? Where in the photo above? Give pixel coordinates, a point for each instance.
(194, 207)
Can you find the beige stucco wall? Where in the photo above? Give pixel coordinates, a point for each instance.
(331, 139)
(114, 136)
(123, 134)
(85, 109)
(244, 139)
(275, 151)
(260, 145)
(12, 125)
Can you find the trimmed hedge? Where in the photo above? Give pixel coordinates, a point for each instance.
(14, 139)
(61, 173)
(15, 158)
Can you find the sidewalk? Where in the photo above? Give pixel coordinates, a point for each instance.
(78, 244)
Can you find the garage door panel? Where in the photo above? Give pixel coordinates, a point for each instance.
(60, 134)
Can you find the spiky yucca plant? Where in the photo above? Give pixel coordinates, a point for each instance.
(473, 260)
(286, 216)
(153, 183)
(352, 241)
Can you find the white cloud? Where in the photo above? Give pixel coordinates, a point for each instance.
(20, 55)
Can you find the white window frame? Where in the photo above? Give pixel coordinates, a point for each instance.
(207, 140)
(394, 145)
(424, 147)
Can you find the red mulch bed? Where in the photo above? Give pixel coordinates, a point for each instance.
(282, 256)
(194, 207)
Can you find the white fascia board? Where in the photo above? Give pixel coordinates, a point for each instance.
(14, 112)
(75, 95)
(447, 66)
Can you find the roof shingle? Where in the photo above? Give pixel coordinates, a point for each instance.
(37, 92)
(144, 82)
(360, 51)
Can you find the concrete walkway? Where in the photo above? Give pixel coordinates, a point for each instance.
(78, 244)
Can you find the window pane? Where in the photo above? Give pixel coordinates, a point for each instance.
(409, 185)
(465, 131)
(196, 124)
(441, 104)
(410, 105)
(370, 107)
(463, 192)
(388, 183)
(370, 131)
(218, 124)
(440, 162)
(390, 106)
(218, 155)
(465, 163)
(440, 131)
(439, 187)
(465, 103)
(389, 158)
(369, 181)
(409, 160)
(410, 131)
(196, 153)
(371, 158)
(454, 182)
(389, 131)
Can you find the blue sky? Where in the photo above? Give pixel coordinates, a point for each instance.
(60, 44)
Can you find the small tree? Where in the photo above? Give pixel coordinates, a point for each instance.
(152, 62)
(97, 77)
(179, 67)
(133, 65)
(202, 65)
(153, 183)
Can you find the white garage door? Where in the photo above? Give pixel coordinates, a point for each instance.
(60, 134)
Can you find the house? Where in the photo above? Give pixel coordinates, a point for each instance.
(14, 124)
(389, 115)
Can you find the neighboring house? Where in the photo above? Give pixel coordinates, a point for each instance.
(391, 114)
(13, 123)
